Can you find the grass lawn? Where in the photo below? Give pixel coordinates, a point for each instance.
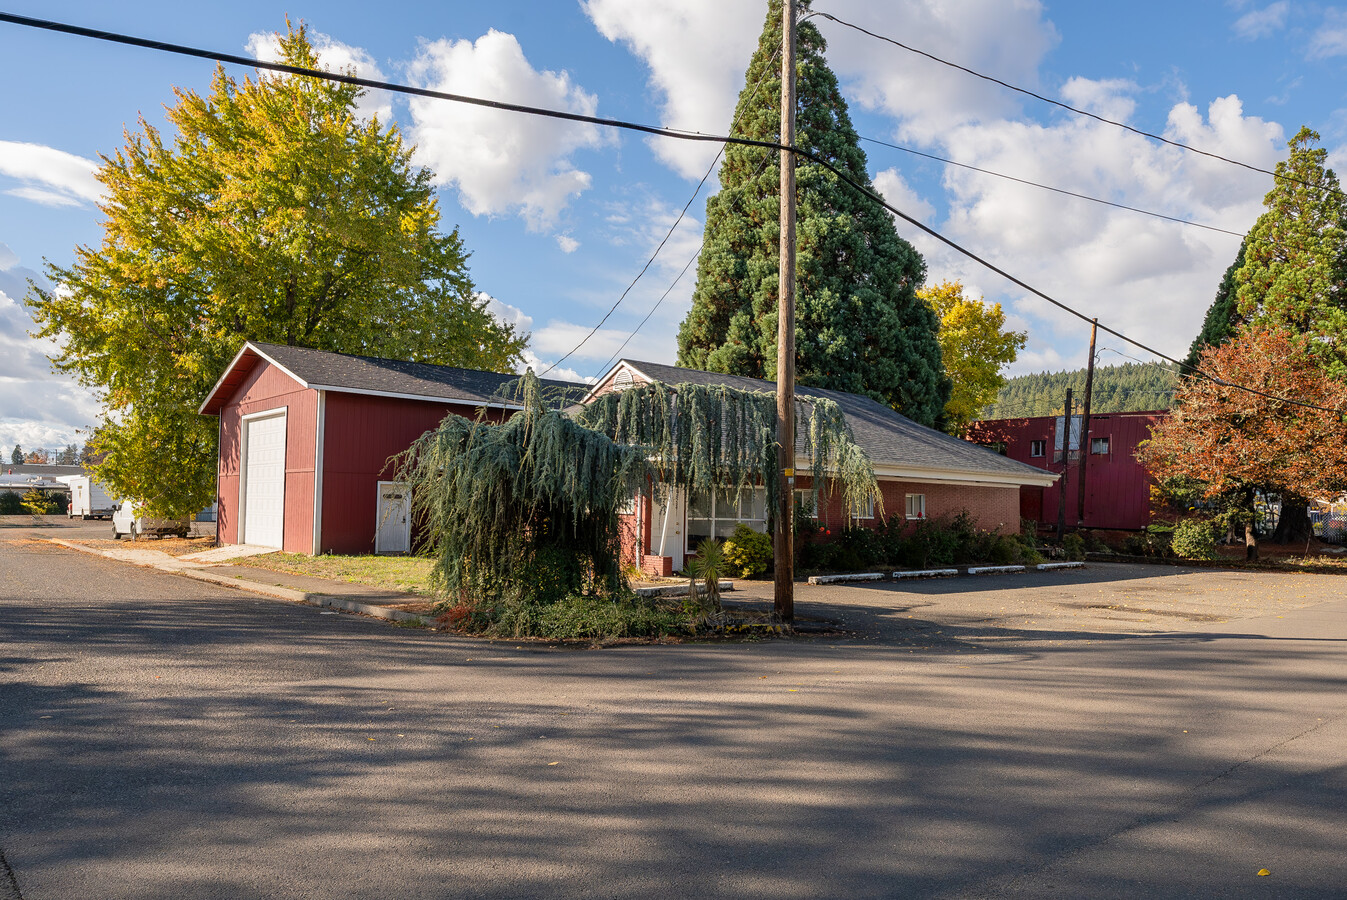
(410, 574)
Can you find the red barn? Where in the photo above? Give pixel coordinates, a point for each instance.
(306, 436)
(1117, 487)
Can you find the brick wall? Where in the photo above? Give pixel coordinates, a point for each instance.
(992, 508)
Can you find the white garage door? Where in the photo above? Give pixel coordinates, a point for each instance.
(264, 481)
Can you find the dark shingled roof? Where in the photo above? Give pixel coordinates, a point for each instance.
(373, 375)
(889, 437)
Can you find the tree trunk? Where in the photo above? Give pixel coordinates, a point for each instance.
(1293, 526)
(1250, 541)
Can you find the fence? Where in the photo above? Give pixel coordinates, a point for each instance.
(1329, 527)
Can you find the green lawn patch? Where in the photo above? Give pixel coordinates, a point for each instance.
(410, 574)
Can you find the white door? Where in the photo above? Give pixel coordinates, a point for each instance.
(666, 531)
(264, 481)
(393, 530)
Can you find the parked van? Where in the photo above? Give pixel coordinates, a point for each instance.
(125, 523)
(88, 500)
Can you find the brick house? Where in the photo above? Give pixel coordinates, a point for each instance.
(922, 473)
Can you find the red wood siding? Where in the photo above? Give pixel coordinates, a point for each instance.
(361, 433)
(1117, 487)
(267, 388)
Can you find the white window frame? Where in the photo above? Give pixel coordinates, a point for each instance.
(715, 519)
(867, 510)
(804, 502)
(1107, 444)
(915, 506)
(1038, 448)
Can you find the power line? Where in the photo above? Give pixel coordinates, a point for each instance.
(709, 169)
(1047, 187)
(664, 296)
(1080, 112)
(630, 126)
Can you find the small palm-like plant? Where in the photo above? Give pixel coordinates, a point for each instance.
(707, 567)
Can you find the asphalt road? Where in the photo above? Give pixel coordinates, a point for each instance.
(160, 737)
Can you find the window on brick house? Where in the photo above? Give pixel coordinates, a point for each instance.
(716, 514)
(916, 506)
(804, 505)
(1038, 448)
(867, 510)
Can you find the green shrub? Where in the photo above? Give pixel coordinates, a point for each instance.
(1194, 539)
(748, 552)
(1002, 550)
(569, 618)
(39, 503)
(10, 504)
(1074, 546)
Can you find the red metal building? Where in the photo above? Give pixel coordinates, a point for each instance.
(306, 437)
(1117, 487)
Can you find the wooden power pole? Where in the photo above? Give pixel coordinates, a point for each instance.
(1085, 427)
(1066, 465)
(784, 539)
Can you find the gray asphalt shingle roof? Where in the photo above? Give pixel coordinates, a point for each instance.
(889, 437)
(371, 374)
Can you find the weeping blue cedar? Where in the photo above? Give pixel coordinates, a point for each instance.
(702, 437)
(527, 510)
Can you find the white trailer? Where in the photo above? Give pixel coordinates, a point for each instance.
(88, 499)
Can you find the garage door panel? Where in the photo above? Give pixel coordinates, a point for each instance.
(264, 481)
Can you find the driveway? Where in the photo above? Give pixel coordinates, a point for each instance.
(165, 738)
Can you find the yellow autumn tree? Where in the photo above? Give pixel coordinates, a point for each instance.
(975, 346)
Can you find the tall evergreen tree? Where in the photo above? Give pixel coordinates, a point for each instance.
(1222, 316)
(859, 324)
(1295, 262)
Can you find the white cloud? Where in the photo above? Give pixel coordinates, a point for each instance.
(1005, 40)
(1331, 38)
(697, 52)
(1260, 23)
(900, 195)
(567, 243)
(1149, 278)
(52, 177)
(333, 56)
(509, 315)
(40, 408)
(501, 161)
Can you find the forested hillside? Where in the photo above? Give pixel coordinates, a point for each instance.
(1124, 388)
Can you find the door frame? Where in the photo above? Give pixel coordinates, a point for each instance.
(245, 423)
(378, 516)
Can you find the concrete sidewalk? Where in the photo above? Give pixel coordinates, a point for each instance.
(339, 595)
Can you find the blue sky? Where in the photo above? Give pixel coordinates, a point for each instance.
(559, 218)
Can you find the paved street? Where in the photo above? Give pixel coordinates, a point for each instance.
(1001, 737)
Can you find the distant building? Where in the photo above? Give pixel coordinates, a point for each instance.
(1117, 487)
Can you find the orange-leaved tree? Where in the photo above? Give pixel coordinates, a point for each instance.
(1237, 443)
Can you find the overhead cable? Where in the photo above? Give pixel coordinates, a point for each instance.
(709, 169)
(1056, 190)
(1072, 109)
(629, 126)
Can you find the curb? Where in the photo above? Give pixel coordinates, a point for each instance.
(836, 579)
(678, 590)
(274, 591)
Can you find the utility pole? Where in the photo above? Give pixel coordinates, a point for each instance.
(784, 539)
(1066, 465)
(1085, 426)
